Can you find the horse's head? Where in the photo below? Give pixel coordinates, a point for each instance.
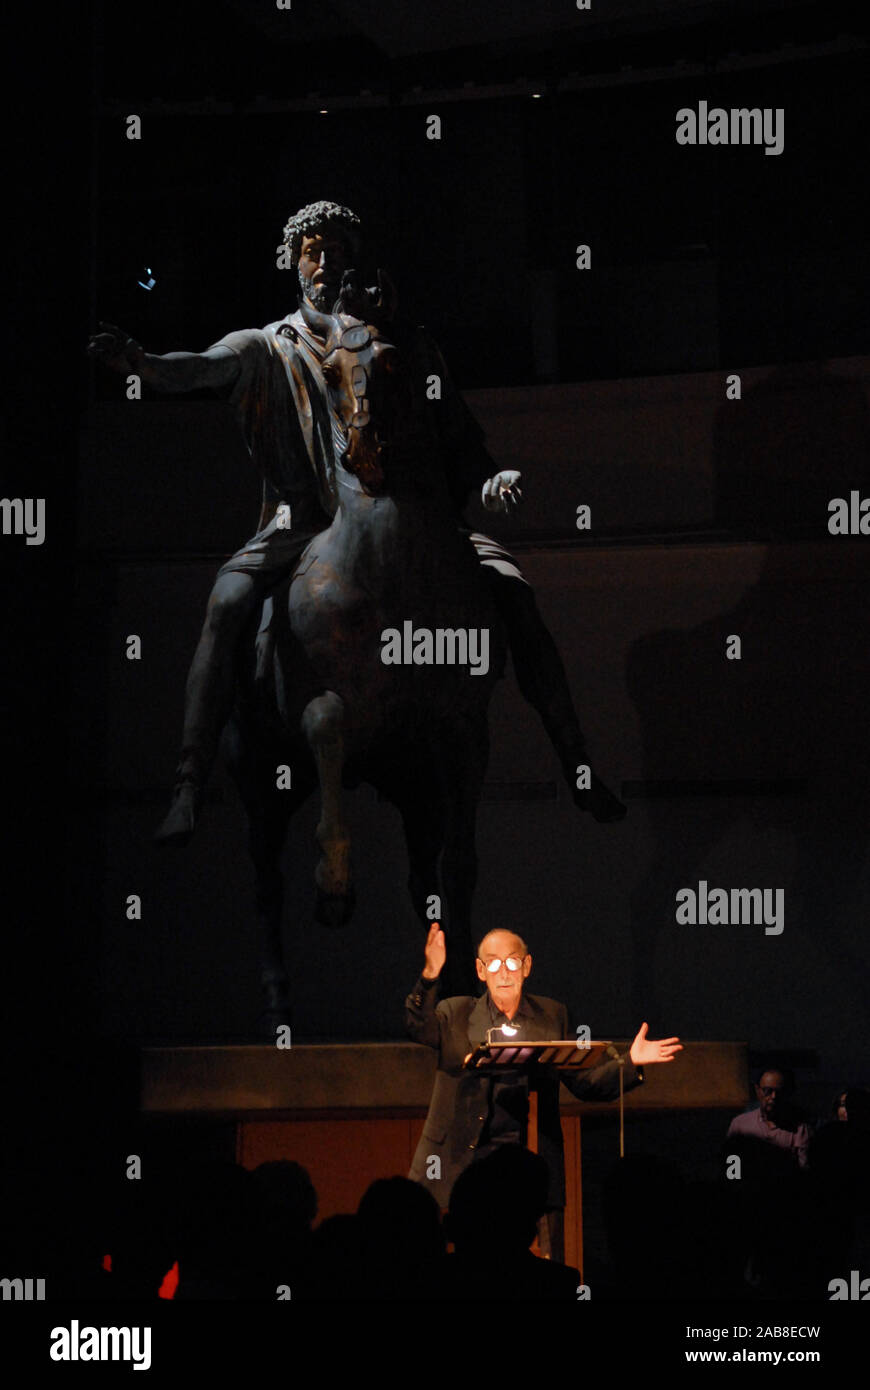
(363, 373)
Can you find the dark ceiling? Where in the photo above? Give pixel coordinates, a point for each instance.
(399, 29)
(236, 50)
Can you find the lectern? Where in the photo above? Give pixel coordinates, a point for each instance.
(562, 1055)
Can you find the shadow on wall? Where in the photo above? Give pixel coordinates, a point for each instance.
(792, 709)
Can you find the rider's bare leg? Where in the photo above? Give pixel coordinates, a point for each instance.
(208, 700)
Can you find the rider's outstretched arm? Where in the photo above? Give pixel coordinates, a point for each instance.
(217, 368)
(190, 371)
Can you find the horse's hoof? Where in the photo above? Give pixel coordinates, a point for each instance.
(334, 909)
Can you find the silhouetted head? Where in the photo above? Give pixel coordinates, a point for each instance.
(401, 1221)
(287, 1193)
(495, 1204)
(857, 1108)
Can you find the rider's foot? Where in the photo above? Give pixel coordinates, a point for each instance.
(600, 802)
(180, 819)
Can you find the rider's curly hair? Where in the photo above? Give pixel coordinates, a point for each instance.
(317, 217)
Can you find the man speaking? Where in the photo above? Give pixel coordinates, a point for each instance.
(472, 1114)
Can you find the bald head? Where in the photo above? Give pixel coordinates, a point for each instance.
(517, 942)
(503, 963)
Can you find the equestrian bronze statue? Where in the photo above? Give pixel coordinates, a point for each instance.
(357, 636)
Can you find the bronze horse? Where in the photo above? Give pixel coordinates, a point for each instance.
(322, 699)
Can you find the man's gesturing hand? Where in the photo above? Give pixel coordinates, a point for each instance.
(502, 493)
(116, 349)
(644, 1051)
(436, 953)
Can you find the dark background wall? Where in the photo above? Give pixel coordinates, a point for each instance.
(606, 387)
(746, 774)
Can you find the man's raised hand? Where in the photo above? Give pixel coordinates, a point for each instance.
(116, 349)
(436, 953)
(644, 1051)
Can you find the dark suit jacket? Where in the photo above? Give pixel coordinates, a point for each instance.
(460, 1100)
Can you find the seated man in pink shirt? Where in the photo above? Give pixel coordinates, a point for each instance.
(774, 1122)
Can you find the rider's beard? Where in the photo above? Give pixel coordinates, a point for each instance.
(321, 296)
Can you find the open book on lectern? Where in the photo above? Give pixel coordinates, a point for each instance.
(564, 1053)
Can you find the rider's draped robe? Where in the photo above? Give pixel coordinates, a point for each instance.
(280, 400)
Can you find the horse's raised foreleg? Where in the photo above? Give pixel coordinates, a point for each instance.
(422, 810)
(323, 726)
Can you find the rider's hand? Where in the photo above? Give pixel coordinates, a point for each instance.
(502, 492)
(436, 953)
(116, 349)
